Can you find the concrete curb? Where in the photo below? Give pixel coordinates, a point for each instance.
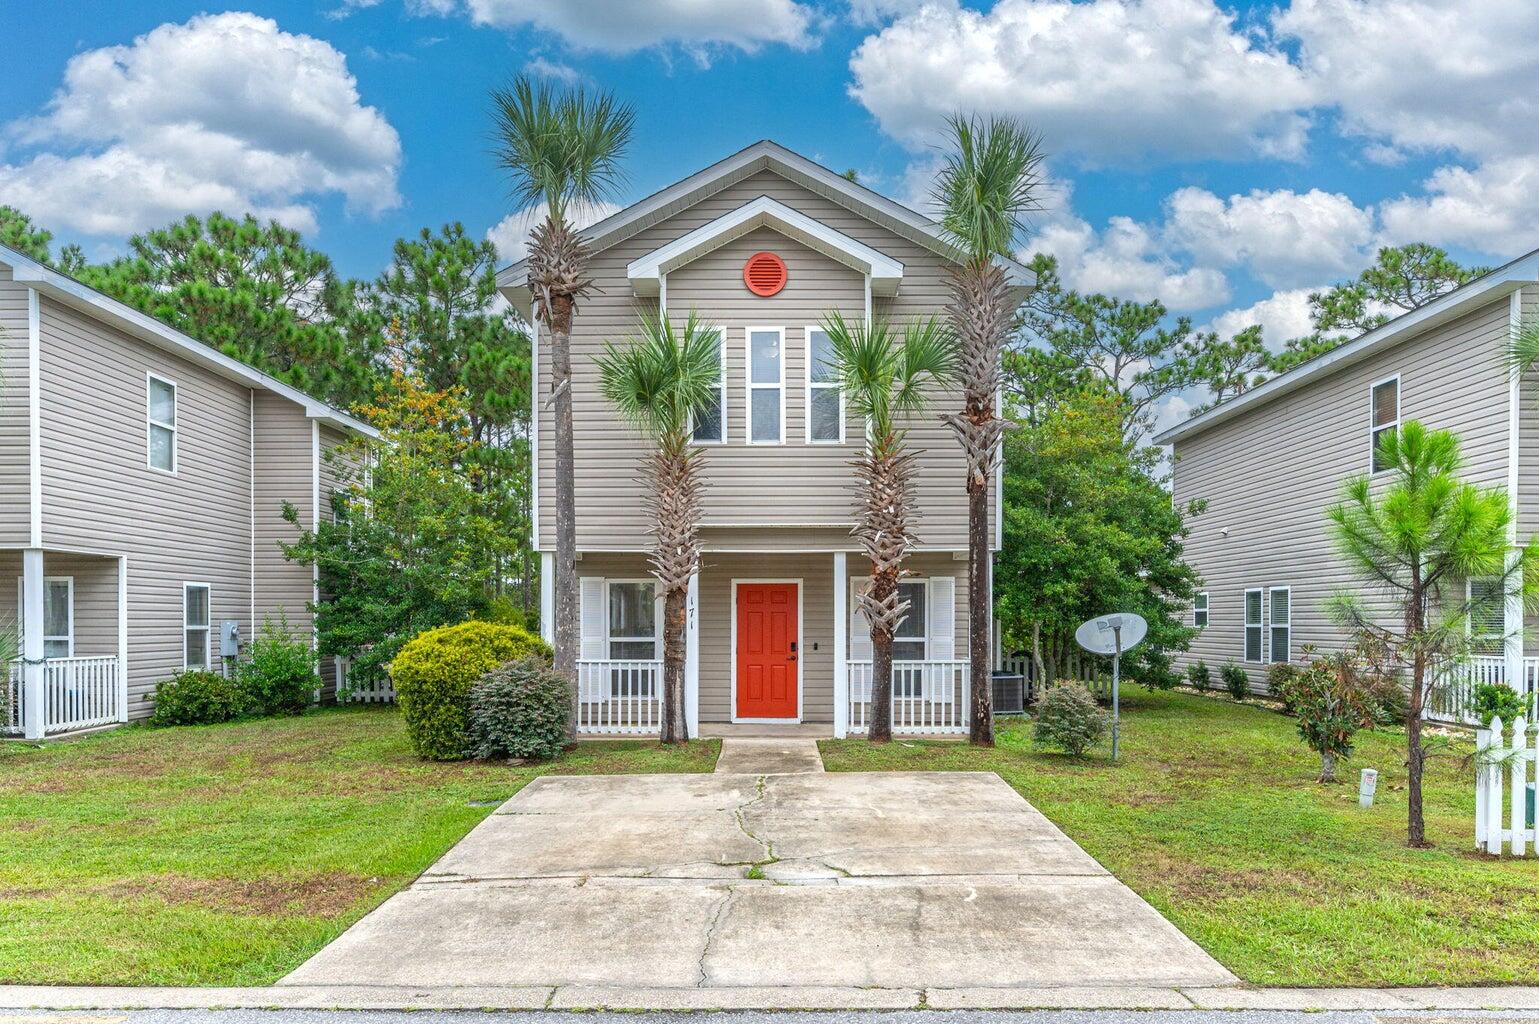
(572, 997)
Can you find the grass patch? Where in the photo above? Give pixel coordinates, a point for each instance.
(228, 854)
(1213, 816)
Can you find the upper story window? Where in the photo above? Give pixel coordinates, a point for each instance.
(1200, 609)
(196, 653)
(1253, 625)
(632, 620)
(825, 402)
(58, 615)
(161, 415)
(766, 385)
(709, 423)
(1281, 636)
(1385, 401)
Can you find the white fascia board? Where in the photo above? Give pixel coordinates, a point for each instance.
(646, 273)
(147, 329)
(1483, 291)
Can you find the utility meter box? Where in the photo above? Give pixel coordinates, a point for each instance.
(229, 639)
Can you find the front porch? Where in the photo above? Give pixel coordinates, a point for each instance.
(771, 641)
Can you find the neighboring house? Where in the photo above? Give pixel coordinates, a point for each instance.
(763, 244)
(142, 479)
(1271, 461)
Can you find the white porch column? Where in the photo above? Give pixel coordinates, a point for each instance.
(34, 721)
(841, 646)
(122, 638)
(548, 597)
(692, 657)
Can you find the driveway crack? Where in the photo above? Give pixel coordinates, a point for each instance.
(717, 915)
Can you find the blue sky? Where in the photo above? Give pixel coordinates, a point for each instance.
(1221, 158)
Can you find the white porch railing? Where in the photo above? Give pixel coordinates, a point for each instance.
(78, 693)
(619, 697)
(1452, 697)
(928, 697)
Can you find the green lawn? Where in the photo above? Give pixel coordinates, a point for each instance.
(228, 854)
(1214, 817)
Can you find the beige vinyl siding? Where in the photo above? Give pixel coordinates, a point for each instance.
(331, 477)
(798, 485)
(284, 472)
(1269, 475)
(99, 493)
(15, 445)
(96, 597)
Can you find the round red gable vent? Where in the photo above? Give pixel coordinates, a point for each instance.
(764, 274)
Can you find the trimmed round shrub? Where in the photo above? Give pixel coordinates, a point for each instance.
(1069, 719)
(519, 710)
(1498, 700)
(1235, 680)
(199, 698)
(1198, 675)
(433, 675)
(280, 678)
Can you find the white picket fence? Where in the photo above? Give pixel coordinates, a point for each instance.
(78, 693)
(1505, 769)
(1087, 668)
(619, 697)
(928, 697)
(359, 687)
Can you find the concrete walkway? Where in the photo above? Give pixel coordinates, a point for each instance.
(769, 890)
(756, 755)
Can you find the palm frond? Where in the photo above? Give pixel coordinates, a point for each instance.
(660, 376)
(990, 181)
(560, 145)
(884, 374)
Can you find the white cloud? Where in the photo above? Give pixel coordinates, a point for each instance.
(223, 112)
(1101, 79)
(1282, 315)
(1493, 208)
(622, 26)
(542, 68)
(1126, 260)
(511, 234)
(1286, 238)
(876, 12)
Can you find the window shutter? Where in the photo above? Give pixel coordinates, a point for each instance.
(860, 626)
(595, 620)
(943, 618)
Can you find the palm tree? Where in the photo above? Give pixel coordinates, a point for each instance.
(884, 376)
(990, 180)
(656, 380)
(560, 146)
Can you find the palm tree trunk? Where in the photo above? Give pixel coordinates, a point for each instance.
(567, 623)
(979, 614)
(675, 727)
(883, 587)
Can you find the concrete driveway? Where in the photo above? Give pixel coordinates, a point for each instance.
(764, 890)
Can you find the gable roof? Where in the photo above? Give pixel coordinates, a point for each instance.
(761, 156)
(146, 328)
(1482, 291)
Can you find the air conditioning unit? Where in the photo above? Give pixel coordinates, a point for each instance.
(1009, 694)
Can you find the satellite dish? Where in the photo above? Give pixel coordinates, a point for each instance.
(1113, 634)
(1101, 634)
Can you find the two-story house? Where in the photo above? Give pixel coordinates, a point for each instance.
(1271, 461)
(142, 480)
(762, 245)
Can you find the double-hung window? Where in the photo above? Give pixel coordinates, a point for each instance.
(1253, 625)
(709, 421)
(1200, 609)
(1280, 600)
(766, 385)
(825, 402)
(1384, 401)
(161, 423)
(632, 636)
(196, 653)
(911, 640)
(58, 615)
(1485, 618)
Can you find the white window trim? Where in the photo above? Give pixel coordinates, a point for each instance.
(1205, 611)
(208, 630)
(1374, 428)
(1271, 624)
(657, 626)
(21, 603)
(721, 342)
(150, 423)
(819, 386)
(748, 334)
(1259, 624)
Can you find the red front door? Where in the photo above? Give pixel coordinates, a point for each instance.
(767, 633)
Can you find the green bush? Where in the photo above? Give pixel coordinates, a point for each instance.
(1388, 700)
(1069, 719)
(1235, 680)
(1498, 700)
(1198, 675)
(1332, 704)
(280, 678)
(199, 698)
(1278, 677)
(519, 710)
(433, 675)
